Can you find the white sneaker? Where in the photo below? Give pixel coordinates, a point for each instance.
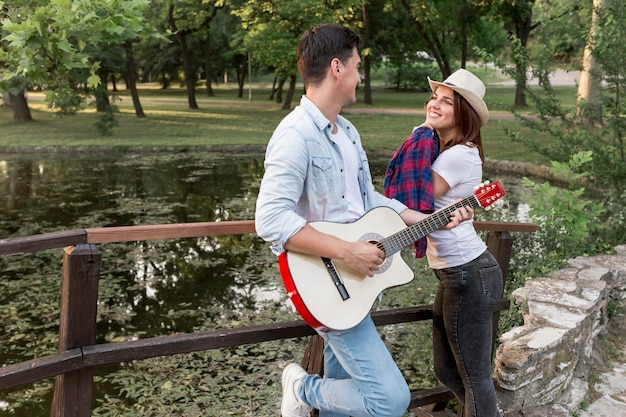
(291, 406)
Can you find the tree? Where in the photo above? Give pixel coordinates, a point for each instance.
(518, 16)
(43, 43)
(550, 24)
(438, 22)
(608, 51)
(67, 45)
(271, 30)
(185, 18)
(594, 139)
(589, 95)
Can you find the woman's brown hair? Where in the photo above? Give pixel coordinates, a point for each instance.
(467, 124)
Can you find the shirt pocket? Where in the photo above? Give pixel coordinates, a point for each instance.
(322, 175)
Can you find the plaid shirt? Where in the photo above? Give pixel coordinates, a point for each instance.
(409, 177)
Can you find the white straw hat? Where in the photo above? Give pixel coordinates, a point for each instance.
(470, 87)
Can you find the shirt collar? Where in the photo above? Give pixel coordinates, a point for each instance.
(316, 114)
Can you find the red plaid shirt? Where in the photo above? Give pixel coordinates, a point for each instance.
(409, 177)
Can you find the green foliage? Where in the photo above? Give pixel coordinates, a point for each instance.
(271, 30)
(66, 101)
(445, 26)
(410, 74)
(45, 43)
(587, 149)
(60, 45)
(107, 120)
(567, 221)
(562, 25)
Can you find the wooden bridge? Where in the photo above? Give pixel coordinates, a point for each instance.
(73, 366)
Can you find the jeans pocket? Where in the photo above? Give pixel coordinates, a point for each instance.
(491, 281)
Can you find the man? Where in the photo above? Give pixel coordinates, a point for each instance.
(316, 169)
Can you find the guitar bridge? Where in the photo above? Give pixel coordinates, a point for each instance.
(334, 275)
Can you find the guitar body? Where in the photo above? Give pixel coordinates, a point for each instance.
(329, 295)
(314, 293)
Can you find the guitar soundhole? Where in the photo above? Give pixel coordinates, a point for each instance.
(375, 239)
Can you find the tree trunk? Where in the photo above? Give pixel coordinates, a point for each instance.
(131, 76)
(520, 87)
(21, 111)
(279, 90)
(463, 33)
(101, 93)
(523, 27)
(189, 81)
(367, 82)
(367, 59)
(241, 77)
(589, 101)
(208, 67)
(433, 44)
(274, 87)
(290, 93)
(181, 36)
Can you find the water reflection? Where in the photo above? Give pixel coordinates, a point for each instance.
(143, 282)
(148, 288)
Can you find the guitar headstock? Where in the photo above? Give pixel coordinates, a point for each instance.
(488, 193)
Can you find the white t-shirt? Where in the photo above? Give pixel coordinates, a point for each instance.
(352, 195)
(461, 167)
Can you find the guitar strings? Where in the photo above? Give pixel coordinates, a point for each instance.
(408, 236)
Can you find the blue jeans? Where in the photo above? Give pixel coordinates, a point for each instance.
(463, 332)
(360, 379)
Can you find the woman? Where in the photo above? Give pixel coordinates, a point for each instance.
(470, 279)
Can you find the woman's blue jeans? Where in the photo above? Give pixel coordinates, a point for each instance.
(360, 379)
(463, 332)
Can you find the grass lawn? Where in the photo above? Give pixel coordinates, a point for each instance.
(226, 119)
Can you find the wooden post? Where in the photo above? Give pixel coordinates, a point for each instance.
(500, 244)
(79, 297)
(313, 358)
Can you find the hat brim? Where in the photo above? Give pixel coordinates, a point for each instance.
(477, 103)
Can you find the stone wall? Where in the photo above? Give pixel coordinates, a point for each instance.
(542, 367)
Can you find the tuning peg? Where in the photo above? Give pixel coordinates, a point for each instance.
(482, 184)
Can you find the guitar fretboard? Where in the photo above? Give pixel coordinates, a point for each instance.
(412, 234)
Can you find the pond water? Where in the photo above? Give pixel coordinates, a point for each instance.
(147, 288)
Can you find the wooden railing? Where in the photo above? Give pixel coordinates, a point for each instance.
(73, 365)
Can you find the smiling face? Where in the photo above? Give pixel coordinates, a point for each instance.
(440, 111)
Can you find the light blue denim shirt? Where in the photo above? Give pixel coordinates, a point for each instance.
(304, 177)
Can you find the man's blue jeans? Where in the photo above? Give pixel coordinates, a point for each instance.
(463, 332)
(361, 378)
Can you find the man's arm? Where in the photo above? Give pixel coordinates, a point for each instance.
(361, 256)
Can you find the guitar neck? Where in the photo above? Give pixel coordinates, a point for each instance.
(412, 234)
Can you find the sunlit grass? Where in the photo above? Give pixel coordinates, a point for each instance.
(226, 119)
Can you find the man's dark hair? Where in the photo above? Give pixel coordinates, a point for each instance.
(321, 44)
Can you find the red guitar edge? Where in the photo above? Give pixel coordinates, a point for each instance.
(293, 295)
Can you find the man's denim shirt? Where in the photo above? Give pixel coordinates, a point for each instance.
(303, 179)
